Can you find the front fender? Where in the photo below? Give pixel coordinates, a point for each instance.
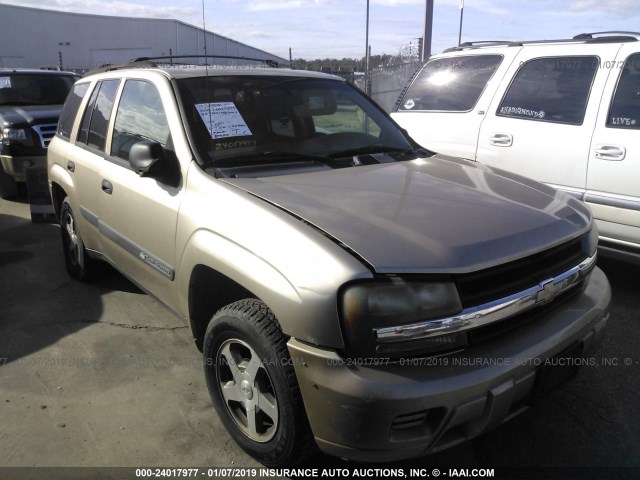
(305, 313)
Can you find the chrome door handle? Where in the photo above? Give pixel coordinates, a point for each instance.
(501, 139)
(610, 152)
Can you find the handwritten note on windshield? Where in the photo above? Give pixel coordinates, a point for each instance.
(223, 120)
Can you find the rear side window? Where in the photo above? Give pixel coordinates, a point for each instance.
(95, 121)
(70, 109)
(625, 108)
(450, 84)
(553, 89)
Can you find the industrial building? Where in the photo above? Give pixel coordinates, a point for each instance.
(33, 37)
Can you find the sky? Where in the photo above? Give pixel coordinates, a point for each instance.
(336, 28)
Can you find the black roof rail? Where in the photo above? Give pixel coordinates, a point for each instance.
(484, 43)
(171, 58)
(151, 62)
(589, 36)
(606, 37)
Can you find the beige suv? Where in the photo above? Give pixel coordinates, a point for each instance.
(350, 291)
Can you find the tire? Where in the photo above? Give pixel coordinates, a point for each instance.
(8, 186)
(76, 260)
(253, 384)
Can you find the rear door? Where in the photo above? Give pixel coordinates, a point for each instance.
(84, 160)
(541, 121)
(613, 180)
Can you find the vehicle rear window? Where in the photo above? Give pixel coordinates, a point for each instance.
(70, 109)
(551, 89)
(34, 89)
(625, 108)
(450, 84)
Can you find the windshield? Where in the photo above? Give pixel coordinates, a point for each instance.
(266, 119)
(34, 89)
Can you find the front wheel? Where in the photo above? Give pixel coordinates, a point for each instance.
(253, 385)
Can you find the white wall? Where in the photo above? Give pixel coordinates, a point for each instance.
(32, 37)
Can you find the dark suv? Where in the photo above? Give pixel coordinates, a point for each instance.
(30, 104)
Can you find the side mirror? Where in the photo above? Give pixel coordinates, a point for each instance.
(144, 156)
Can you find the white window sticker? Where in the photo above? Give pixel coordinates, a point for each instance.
(5, 82)
(223, 120)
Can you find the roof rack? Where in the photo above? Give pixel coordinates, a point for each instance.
(171, 58)
(151, 62)
(607, 37)
(589, 36)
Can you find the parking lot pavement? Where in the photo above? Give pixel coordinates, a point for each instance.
(102, 375)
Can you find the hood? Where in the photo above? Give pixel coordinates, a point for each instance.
(28, 115)
(437, 214)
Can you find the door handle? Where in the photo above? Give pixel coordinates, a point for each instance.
(610, 152)
(501, 139)
(107, 187)
(71, 166)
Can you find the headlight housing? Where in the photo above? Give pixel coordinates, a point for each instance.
(14, 135)
(366, 306)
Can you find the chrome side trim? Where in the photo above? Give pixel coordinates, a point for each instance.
(490, 312)
(612, 201)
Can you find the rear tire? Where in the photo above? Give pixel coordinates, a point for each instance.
(79, 265)
(8, 186)
(253, 384)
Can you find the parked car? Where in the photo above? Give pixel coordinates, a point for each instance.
(30, 103)
(564, 112)
(350, 291)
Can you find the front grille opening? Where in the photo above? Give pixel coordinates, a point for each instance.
(46, 132)
(488, 332)
(499, 282)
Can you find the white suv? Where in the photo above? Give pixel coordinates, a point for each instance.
(565, 112)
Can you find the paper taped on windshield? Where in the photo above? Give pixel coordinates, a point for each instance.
(223, 120)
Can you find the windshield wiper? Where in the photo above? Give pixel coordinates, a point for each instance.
(373, 149)
(277, 155)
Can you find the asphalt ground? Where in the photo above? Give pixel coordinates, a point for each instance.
(101, 375)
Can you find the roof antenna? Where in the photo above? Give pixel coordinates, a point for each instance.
(204, 34)
(206, 70)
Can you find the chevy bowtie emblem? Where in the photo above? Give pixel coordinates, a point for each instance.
(548, 290)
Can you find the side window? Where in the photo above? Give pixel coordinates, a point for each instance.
(95, 121)
(625, 108)
(70, 109)
(140, 116)
(450, 84)
(553, 89)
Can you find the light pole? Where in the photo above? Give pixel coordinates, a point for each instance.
(428, 29)
(367, 79)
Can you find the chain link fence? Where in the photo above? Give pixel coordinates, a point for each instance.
(387, 83)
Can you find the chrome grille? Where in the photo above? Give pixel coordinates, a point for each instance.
(46, 132)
